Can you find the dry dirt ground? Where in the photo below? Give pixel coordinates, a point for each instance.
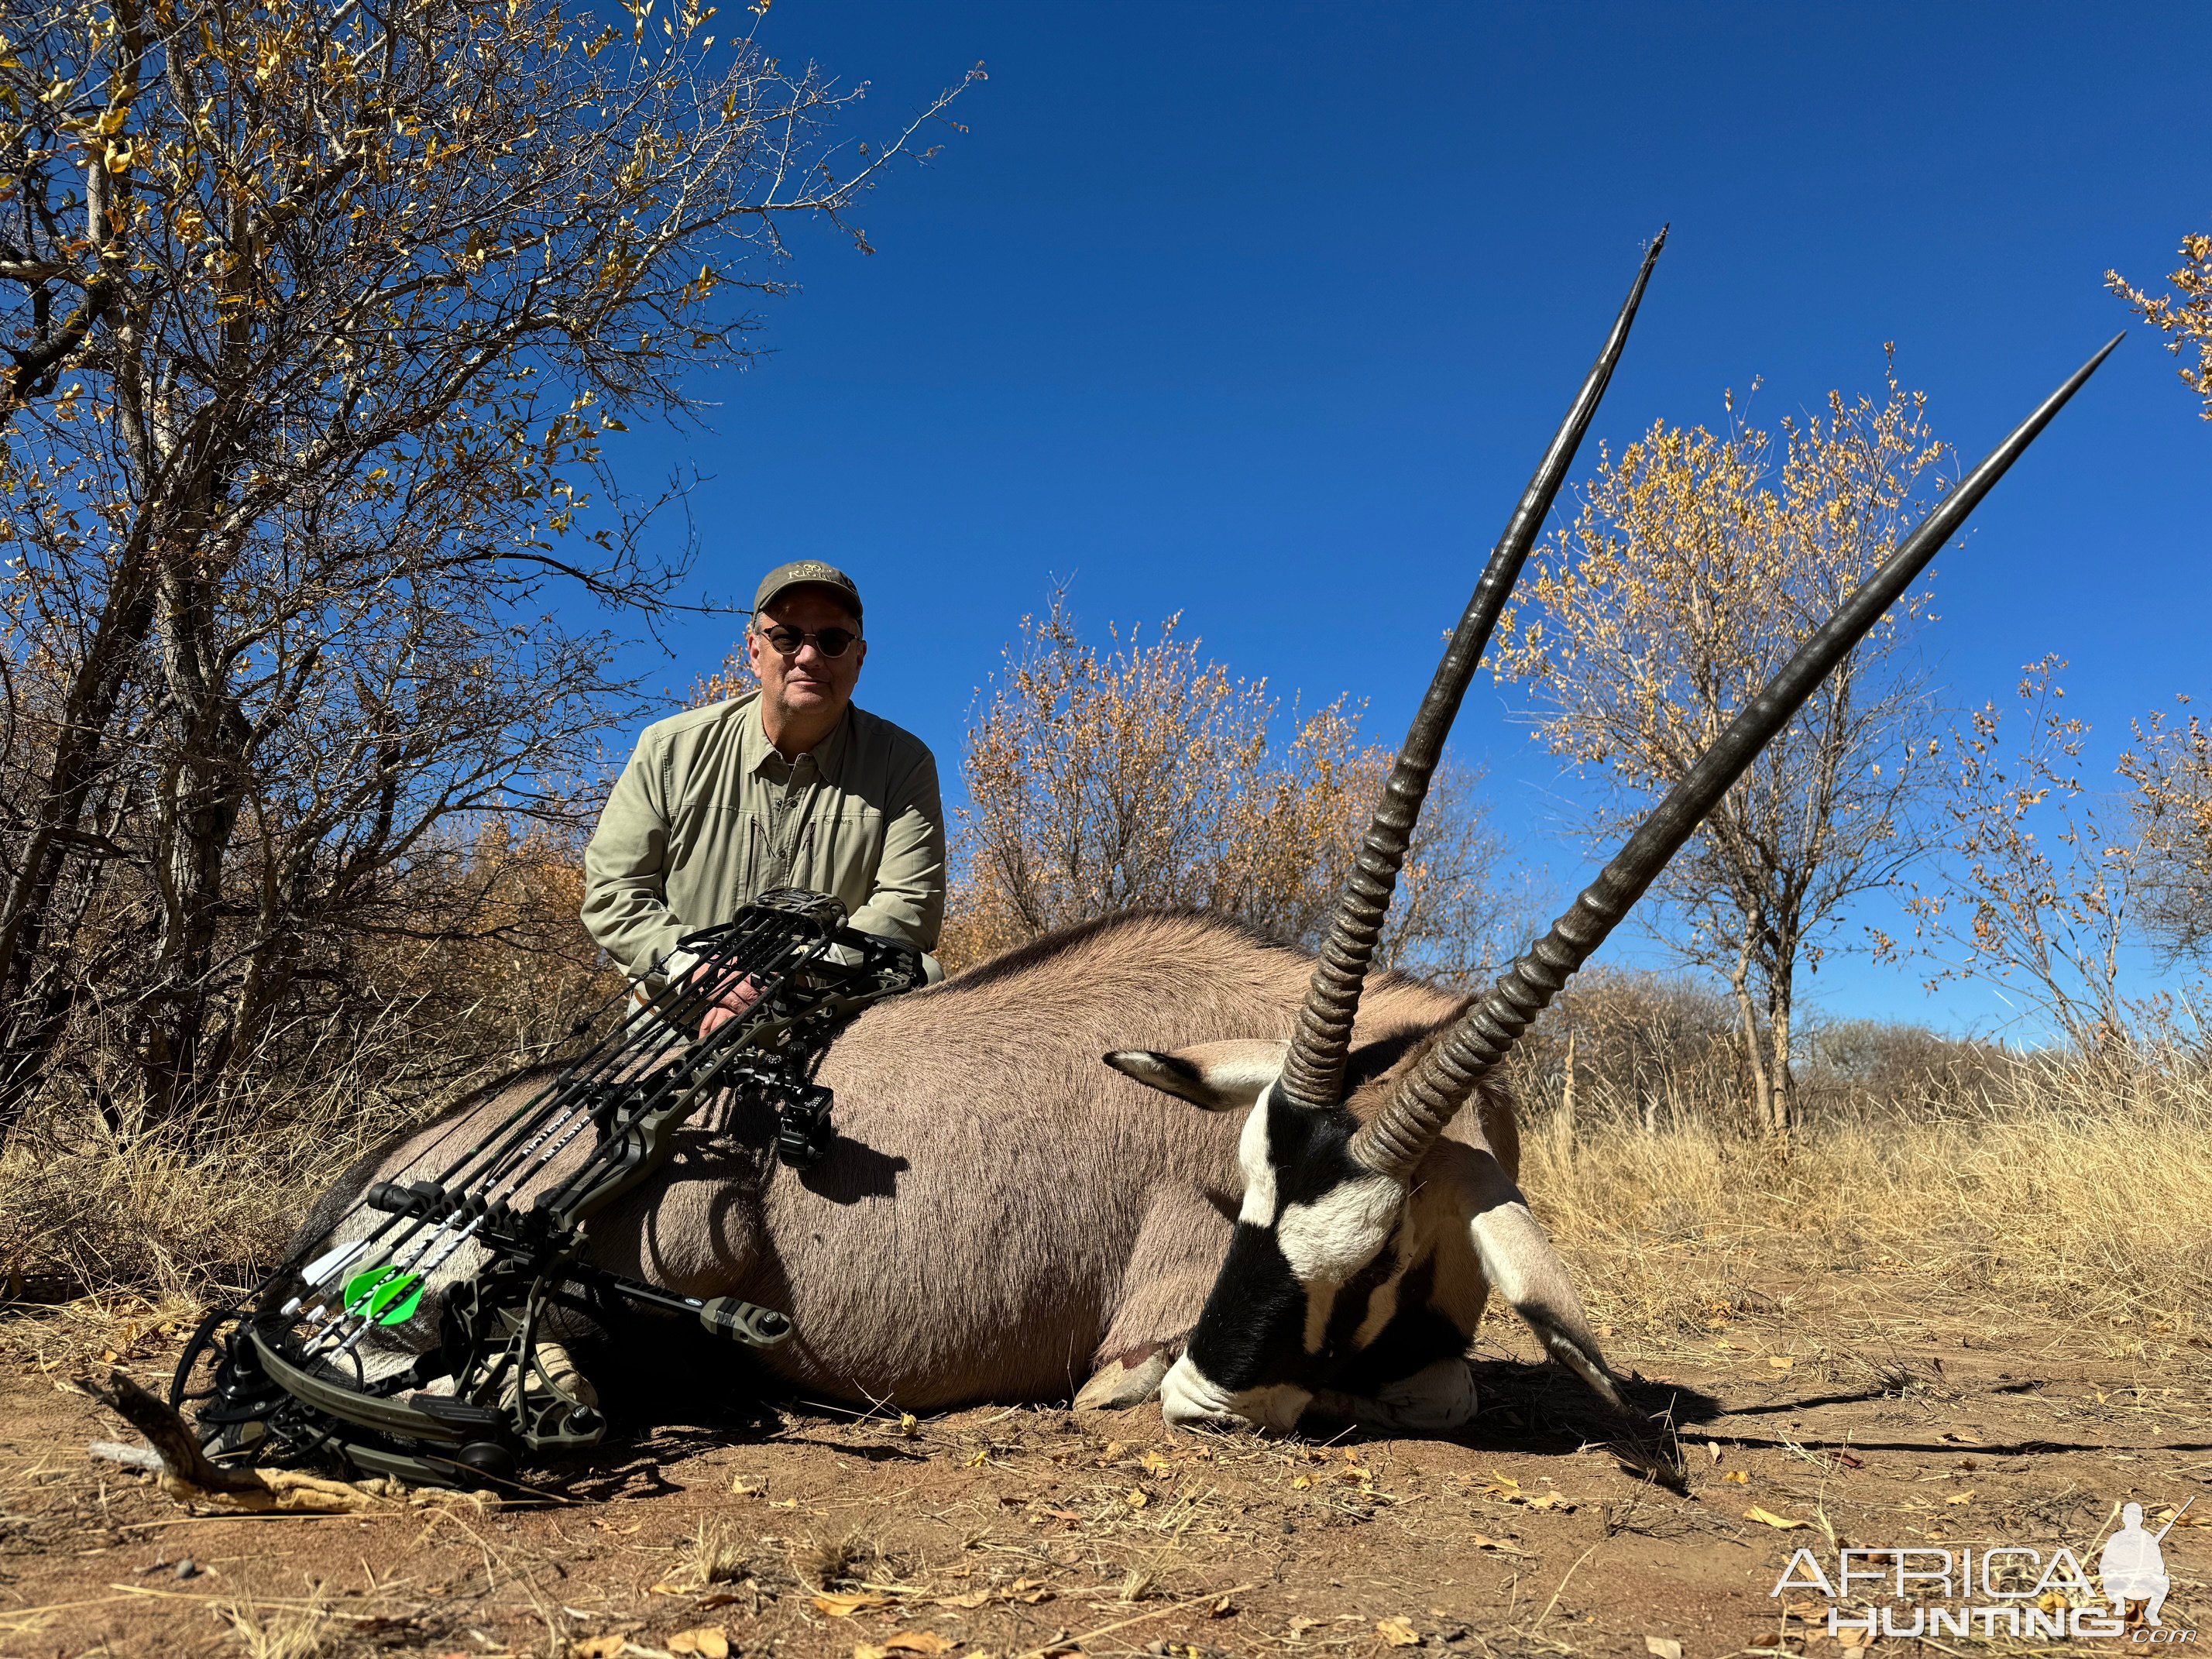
(1031, 1532)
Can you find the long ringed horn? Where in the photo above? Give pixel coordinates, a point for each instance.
(1313, 1070)
(1428, 1096)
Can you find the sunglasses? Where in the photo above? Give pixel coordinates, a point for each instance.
(831, 642)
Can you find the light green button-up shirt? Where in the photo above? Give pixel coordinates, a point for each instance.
(708, 816)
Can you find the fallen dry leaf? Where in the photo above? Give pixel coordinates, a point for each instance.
(1398, 1633)
(1483, 1540)
(596, 1647)
(1136, 1498)
(907, 1641)
(1853, 1635)
(1155, 1464)
(1781, 1362)
(1737, 1478)
(1769, 1518)
(843, 1604)
(1223, 1608)
(1662, 1647)
(1960, 1497)
(709, 1642)
(1507, 1490)
(971, 1601)
(1714, 1447)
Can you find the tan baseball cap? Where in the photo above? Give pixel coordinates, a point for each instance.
(801, 573)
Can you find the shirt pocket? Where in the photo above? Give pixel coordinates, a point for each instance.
(846, 847)
(722, 859)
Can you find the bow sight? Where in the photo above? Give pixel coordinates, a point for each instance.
(416, 1342)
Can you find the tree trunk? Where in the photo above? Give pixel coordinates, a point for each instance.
(1754, 1060)
(199, 798)
(1783, 1119)
(34, 1003)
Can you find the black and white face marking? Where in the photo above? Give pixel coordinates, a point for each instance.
(1311, 1277)
(1308, 1277)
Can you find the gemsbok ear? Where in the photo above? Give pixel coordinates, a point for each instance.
(1214, 1077)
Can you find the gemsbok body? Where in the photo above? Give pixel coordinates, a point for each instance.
(1318, 1224)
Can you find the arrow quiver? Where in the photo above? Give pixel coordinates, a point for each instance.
(416, 1341)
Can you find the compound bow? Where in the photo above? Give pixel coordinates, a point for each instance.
(287, 1381)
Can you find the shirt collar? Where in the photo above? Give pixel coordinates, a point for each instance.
(760, 755)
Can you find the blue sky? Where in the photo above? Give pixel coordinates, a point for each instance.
(1262, 314)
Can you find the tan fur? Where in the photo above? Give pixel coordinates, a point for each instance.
(1002, 1214)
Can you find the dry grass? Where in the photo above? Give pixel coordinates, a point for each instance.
(715, 1553)
(282, 1633)
(829, 1560)
(2065, 1199)
(90, 1212)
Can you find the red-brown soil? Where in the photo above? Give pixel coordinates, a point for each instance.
(1031, 1531)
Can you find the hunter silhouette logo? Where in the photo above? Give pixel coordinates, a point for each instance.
(1999, 1589)
(2133, 1566)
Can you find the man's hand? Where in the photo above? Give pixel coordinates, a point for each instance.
(733, 999)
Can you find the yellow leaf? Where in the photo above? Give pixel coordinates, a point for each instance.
(709, 1642)
(1662, 1647)
(1398, 1633)
(1737, 1477)
(1769, 1518)
(1137, 1498)
(918, 1641)
(843, 1604)
(1301, 1482)
(1960, 1497)
(1781, 1362)
(596, 1647)
(1155, 1464)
